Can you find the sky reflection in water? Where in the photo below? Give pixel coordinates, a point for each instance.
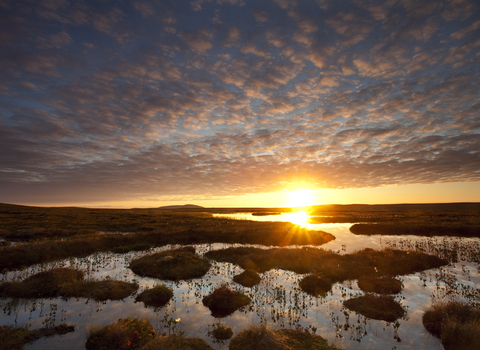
(277, 300)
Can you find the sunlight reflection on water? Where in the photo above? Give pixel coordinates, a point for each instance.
(277, 300)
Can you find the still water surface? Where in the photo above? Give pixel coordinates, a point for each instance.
(277, 300)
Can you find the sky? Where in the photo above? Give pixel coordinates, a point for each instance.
(239, 102)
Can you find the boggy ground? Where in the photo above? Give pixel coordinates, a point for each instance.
(59, 233)
(66, 282)
(378, 307)
(326, 267)
(15, 338)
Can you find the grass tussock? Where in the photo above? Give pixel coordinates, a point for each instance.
(15, 338)
(125, 334)
(225, 301)
(157, 296)
(176, 342)
(66, 282)
(263, 338)
(221, 332)
(377, 307)
(247, 278)
(42, 285)
(99, 290)
(380, 285)
(316, 284)
(327, 267)
(456, 324)
(176, 264)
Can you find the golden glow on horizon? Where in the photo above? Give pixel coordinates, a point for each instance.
(298, 218)
(301, 198)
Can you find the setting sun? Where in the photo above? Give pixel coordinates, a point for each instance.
(301, 198)
(298, 218)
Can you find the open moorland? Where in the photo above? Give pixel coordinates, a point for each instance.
(199, 278)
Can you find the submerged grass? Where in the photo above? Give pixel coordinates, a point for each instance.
(380, 285)
(99, 290)
(456, 324)
(175, 264)
(377, 307)
(247, 278)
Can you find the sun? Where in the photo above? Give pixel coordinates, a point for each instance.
(301, 198)
(298, 218)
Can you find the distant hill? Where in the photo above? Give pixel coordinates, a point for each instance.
(186, 206)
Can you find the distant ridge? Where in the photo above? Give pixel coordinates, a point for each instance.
(186, 206)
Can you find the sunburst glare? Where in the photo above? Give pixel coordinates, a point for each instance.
(298, 218)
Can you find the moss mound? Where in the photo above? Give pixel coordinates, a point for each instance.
(376, 307)
(220, 332)
(41, 285)
(175, 342)
(99, 290)
(247, 278)
(125, 334)
(380, 285)
(157, 296)
(263, 338)
(224, 301)
(456, 324)
(316, 284)
(176, 264)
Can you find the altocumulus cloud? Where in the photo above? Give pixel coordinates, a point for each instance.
(148, 99)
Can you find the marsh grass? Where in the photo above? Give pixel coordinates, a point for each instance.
(325, 267)
(380, 285)
(456, 324)
(225, 301)
(247, 278)
(378, 307)
(15, 338)
(66, 282)
(263, 338)
(43, 284)
(175, 264)
(157, 296)
(74, 232)
(125, 334)
(416, 230)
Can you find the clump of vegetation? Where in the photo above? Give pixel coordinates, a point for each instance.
(316, 284)
(99, 290)
(262, 337)
(157, 296)
(380, 285)
(377, 307)
(224, 301)
(176, 342)
(176, 264)
(221, 332)
(456, 324)
(42, 285)
(247, 278)
(327, 267)
(125, 334)
(66, 282)
(15, 338)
